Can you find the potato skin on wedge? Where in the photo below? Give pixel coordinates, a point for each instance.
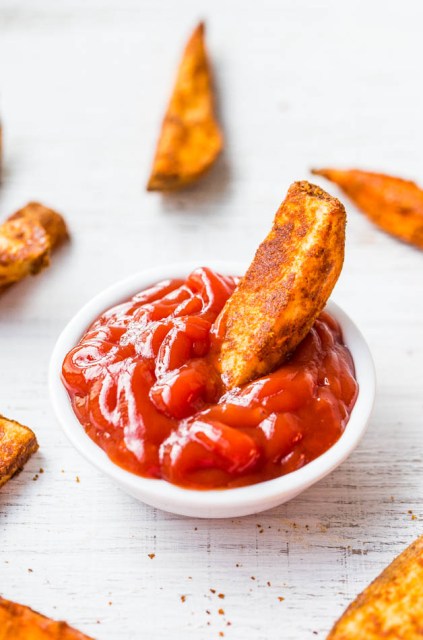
(286, 286)
(190, 139)
(18, 622)
(392, 605)
(393, 204)
(26, 240)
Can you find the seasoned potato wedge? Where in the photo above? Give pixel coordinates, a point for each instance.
(190, 139)
(17, 444)
(392, 606)
(286, 286)
(26, 240)
(18, 622)
(394, 204)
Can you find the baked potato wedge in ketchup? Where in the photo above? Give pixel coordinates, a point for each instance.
(286, 286)
(392, 606)
(26, 240)
(393, 204)
(190, 139)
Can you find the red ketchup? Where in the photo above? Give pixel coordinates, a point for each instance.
(143, 384)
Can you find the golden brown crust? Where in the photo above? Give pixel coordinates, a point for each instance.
(392, 605)
(394, 204)
(18, 622)
(286, 286)
(190, 139)
(17, 444)
(26, 240)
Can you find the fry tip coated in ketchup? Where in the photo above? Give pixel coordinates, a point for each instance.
(143, 384)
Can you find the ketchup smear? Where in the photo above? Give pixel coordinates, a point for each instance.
(143, 383)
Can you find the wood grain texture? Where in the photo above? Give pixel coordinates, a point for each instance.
(83, 88)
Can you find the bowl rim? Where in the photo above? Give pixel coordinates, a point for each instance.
(180, 497)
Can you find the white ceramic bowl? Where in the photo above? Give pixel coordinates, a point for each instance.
(224, 503)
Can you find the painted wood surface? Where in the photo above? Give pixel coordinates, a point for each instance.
(83, 87)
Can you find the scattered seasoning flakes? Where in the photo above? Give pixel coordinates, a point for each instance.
(110, 603)
(315, 633)
(237, 564)
(208, 612)
(151, 556)
(35, 477)
(62, 471)
(221, 634)
(41, 470)
(269, 583)
(183, 598)
(221, 596)
(77, 479)
(414, 517)
(212, 590)
(221, 612)
(30, 571)
(281, 599)
(409, 511)
(253, 577)
(98, 622)
(261, 531)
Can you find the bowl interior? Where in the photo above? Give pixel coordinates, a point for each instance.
(207, 503)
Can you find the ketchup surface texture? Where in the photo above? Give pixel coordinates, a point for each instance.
(144, 385)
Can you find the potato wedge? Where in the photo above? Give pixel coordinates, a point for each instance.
(190, 138)
(393, 204)
(17, 444)
(286, 286)
(26, 240)
(392, 605)
(18, 622)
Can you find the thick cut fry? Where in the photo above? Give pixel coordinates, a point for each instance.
(286, 286)
(17, 444)
(18, 622)
(392, 606)
(394, 204)
(26, 240)
(190, 139)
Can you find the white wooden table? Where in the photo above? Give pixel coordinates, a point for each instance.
(83, 86)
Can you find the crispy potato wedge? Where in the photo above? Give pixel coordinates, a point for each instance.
(18, 622)
(26, 240)
(392, 606)
(190, 139)
(393, 204)
(286, 286)
(17, 444)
